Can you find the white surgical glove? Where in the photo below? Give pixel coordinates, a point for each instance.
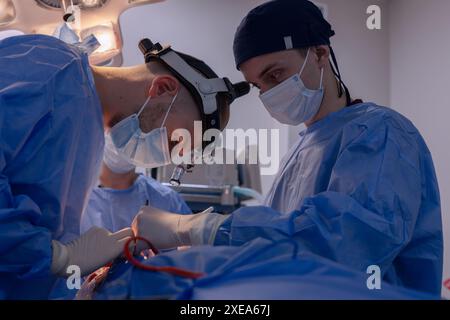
(166, 230)
(91, 251)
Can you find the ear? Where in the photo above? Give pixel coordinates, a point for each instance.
(323, 55)
(162, 85)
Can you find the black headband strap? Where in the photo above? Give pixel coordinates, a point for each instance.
(337, 73)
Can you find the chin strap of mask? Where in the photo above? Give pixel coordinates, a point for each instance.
(337, 73)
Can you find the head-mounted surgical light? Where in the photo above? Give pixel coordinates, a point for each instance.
(205, 86)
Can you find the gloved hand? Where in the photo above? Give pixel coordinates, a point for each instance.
(91, 251)
(166, 230)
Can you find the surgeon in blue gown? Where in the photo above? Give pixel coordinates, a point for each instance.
(358, 187)
(54, 111)
(121, 192)
(45, 141)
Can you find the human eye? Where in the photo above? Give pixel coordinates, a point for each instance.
(274, 77)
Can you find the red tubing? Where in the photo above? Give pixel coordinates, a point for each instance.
(171, 270)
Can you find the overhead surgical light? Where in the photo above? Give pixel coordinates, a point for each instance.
(7, 12)
(106, 36)
(46, 17)
(138, 1)
(84, 4)
(92, 3)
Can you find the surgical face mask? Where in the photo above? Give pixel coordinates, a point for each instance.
(291, 102)
(114, 160)
(65, 33)
(144, 150)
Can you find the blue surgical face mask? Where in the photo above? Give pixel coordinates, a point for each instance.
(65, 33)
(114, 160)
(291, 102)
(144, 150)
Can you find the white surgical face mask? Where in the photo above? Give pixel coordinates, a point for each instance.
(291, 102)
(144, 150)
(114, 160)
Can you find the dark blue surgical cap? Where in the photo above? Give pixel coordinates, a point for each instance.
(280, 25)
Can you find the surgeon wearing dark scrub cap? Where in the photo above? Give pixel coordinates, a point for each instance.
(358, 187)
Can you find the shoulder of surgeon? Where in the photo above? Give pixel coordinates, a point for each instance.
(154, 186)
(38, 55)
(35, 68)
(376, 125)
(40, 67)
(38, 41)
(159, 193)
(39, 74)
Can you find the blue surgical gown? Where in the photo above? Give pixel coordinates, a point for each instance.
(51, 147)
(115, 209)
(258, 270)
(358, 188)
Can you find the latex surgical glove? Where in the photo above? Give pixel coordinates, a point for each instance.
(91, 251)
(166, 230)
